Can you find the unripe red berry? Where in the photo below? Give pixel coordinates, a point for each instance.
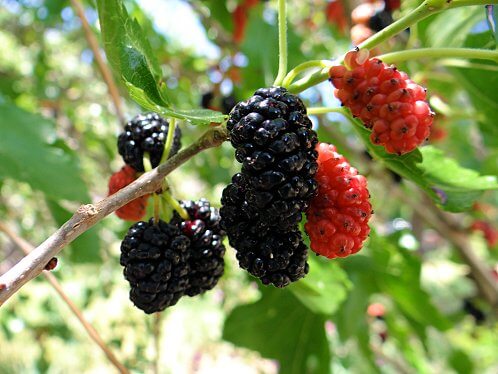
(135, 210)
(338, 216)
(385, 99)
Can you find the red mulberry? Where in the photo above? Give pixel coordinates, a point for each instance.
(386, 100)
(338, 216)
(134, 210)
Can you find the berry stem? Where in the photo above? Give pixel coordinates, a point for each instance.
(424, 10)
(175, 205)
(467, 53)
(147, 164)
(282, 42)
(157, 207)
(325, 110)
(169, 140)
(303, 67)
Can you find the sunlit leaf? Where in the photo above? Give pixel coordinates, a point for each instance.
(278, 326)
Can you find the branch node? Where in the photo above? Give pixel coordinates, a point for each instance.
(87, 210)
(51, 264)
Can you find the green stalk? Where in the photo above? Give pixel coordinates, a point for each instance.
(303, 67)
(169, 140)
(424, 10)
(175, 205)
(325, 110)
(467, 53)
(157, 208)
(282, 42)
(417, 14)
(146, 161)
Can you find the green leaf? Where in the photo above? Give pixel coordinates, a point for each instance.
(400, 335)
(416, 303)
(401, 272)
(278, 326)
(461, 362)
(195, 116)
(28, 153)
(479, 79)
(129, 52)
(350, 319)
(86, 247)
(219, 12)
(449, 29)
(453, 187)
(325, 287)
(263, 38)
(460, 185)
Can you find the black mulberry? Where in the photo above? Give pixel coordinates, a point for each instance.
(155, 257)
(146, 133)
(262, 207)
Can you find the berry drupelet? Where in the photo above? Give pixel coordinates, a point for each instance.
(146, 134)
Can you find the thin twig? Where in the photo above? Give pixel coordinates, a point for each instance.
(103, 68)
(94, 335)
(88, 215)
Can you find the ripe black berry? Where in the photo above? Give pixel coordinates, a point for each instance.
(207, 249)
(146, 133)
(155, 257)
(207, 99)
(380, 20)
(227, 103)
(263, 205)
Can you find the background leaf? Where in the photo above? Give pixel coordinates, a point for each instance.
(325, 287)
(264, 327)
(28, 153)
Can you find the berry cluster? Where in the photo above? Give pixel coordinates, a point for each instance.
(134, 210)
(165, 261)
(338, 216)
(385, 99)
(146, 134)
(262, 207)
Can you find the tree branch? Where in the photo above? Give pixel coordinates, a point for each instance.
(94, 335)
(104, 69)
(88, 215)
